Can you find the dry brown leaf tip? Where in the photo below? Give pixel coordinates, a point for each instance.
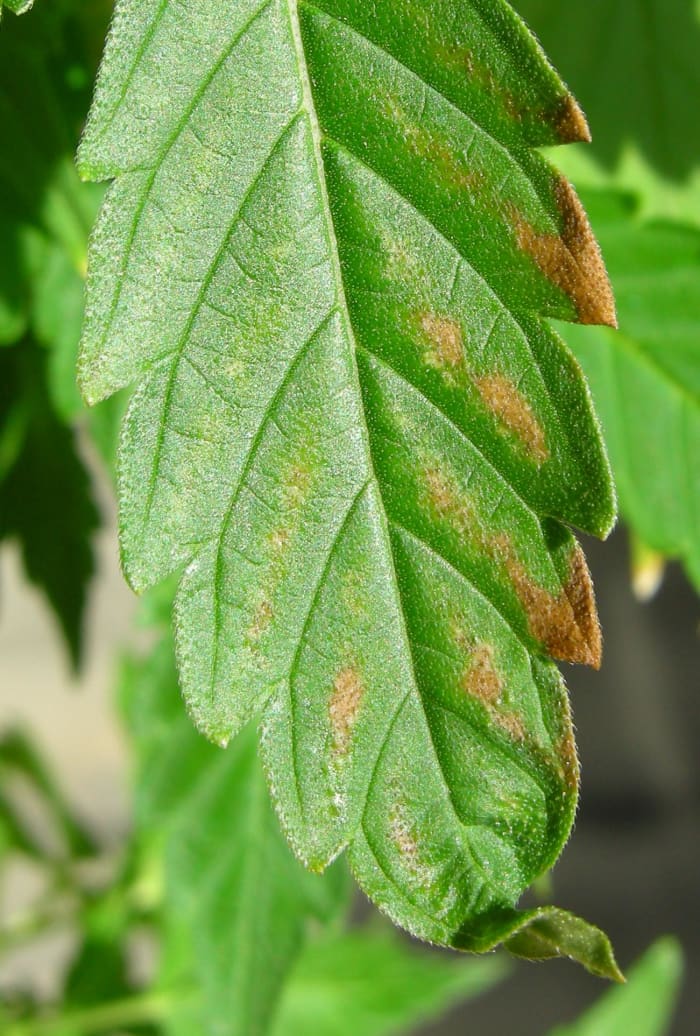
(571, 259)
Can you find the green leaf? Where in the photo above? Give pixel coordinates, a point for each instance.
(325, 261)
(238, 905)
(45, 494)
(45, 212)
(633, 66)
(644, 1006)
(368, 981)
(16, 6)
(646, 377)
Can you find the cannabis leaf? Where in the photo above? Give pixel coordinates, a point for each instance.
(646, 377)
(325, 261)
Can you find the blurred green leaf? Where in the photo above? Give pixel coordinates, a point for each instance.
(18, 755)
(644, 1006)
(45, 493)
(46, 67)
(237, 904)
(370, 982)
(16, 6)
(633, 65)
(645, 378)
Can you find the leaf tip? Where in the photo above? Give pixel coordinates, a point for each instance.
(570, 122)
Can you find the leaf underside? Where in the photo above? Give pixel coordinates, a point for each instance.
(325, 261)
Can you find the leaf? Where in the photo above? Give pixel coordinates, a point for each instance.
(325, 261)
(45, 212)
(644, 1006)
(367, 981)
(16, 6)
(45, 498)
(238, 905)
(646, 378)
(633, 66)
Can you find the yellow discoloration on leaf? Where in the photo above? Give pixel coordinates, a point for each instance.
(404, 838)
(512, 410)
(570, 259)
(261, 620)
(279, 541)
(567, 758)
(344, 706)
(297, 483)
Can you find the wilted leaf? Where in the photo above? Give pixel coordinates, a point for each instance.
(325, 261)
(646, 377)
(644, 1006)
(368, 981)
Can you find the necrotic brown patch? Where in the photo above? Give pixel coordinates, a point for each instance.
(481, 679)
(344, 706)
(565, 624)
(261, 620)
(513, 411)
(445, 337)
(569, 122)
(571, 259)
(569, 634)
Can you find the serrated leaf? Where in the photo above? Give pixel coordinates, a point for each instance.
(325, 261)
(46, 502)
(644, 1006)
(367, 981)
(646, 377)
(238, 905)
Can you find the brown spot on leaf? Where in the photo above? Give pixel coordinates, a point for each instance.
(344, 706)
(570, 122)
(567, 625)
(513, 411)
(445, 337)
(579, 590)
(510, 723)
(481, 679)
(571, 259)
(404, 838)
(261, 620)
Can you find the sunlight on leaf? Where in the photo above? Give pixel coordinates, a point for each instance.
(325, 262)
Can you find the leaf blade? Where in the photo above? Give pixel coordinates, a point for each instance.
(296, 480)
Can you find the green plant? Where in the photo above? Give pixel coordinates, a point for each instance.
(351, 458)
